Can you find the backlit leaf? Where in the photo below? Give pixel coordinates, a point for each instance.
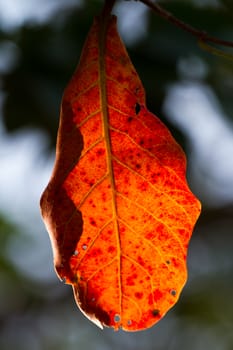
(118, 209)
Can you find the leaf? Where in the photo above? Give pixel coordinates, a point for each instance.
(118, 209)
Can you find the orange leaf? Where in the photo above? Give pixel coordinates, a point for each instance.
(118, 209)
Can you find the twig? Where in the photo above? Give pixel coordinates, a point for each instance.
(202, 36)
(211, 49)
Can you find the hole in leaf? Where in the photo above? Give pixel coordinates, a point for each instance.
(173, 292)
(75, 253)
(129, 322)
(117, 318)
(84, 246)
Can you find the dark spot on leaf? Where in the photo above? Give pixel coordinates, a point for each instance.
(129, 119)
(137, 108)
(111, 249)
(138, 166)
(100, 152)
(138, 295)
(92, 222)
(140, 261)
(120, 78)
(173, 292)
(96, 252)
(92, 203)
(141, 142)
(155, 312)
(104, 196)
(130, 280)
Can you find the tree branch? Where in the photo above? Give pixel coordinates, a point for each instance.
(201, 35)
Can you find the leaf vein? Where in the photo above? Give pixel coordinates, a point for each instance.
(91, 190)
(152, 215)
(102, 268)
(83, 92)
(166, 193)
(93, 242)
(87, 118)
(91, 147)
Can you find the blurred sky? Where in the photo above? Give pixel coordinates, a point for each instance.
(14, 13)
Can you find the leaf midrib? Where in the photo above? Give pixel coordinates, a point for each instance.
(106, 134)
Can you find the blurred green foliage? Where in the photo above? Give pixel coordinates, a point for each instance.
(49, 53)
(41, 314)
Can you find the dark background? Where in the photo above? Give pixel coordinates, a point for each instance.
(191, 90)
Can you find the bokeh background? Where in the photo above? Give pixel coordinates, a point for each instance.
(190, 90)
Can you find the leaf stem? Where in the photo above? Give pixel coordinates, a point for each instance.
(201, 35)
(108, 5)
